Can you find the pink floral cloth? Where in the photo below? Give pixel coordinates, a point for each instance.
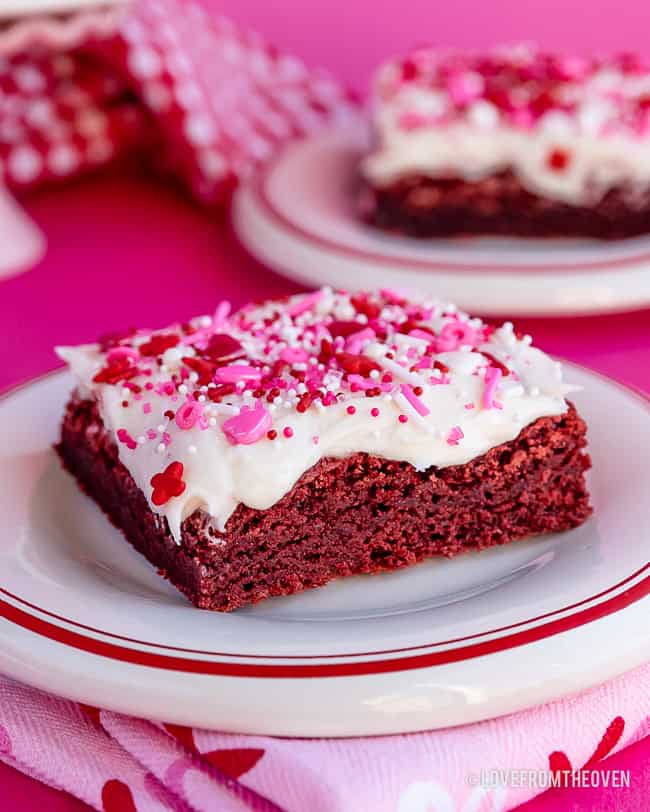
(117, 763)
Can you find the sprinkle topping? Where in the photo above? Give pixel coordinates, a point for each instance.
(241, 372)
(225, 409)
(523, 87)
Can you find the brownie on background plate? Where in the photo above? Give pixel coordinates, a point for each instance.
(513, 141)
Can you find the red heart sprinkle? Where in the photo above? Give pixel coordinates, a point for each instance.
(157, 344)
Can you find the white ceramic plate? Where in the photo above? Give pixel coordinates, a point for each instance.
(298, 217)
(444, 643)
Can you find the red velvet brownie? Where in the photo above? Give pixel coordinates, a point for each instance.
(515, 141)
(270, 450)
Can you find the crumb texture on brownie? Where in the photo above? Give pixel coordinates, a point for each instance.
(361, 514)
(570, 129)
(232, 409)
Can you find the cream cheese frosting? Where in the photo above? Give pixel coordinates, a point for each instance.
(570, 129)
(232, 409)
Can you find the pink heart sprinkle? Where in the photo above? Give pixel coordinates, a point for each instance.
(236, 373)
(293, 355)
(249, 426)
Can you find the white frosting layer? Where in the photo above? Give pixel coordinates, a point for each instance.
(478, 140)
(219, 476)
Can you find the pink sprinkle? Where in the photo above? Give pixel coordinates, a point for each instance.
(455, 436)
(391, 295)
(237, 372)
(124, 437)
(146, 408)
(403, 418)
(305, 303)
(522, 118)
(374, 412)
(287, 431)
(315, 439)
(249, 426)
(442, 379)
(188, 414)
(469, 405)
(166, 438)
(221, 314)
(151, 434)
(122, 353)
(414, 400)
(293, 355)
(425, 363)
(355, 341)
(411, 120)
(453, 335)
(492, 378)
(464, 88)
(148, 386)
(351, 410)
(417, 333)
(360, 383)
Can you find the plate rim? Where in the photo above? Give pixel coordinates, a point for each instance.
(258, 187)
(53, 632)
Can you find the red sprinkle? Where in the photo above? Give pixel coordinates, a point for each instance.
(558, 160)
(157, 344)
(374, 412)
(403, 418)
(167, 484)
(272, 434)
(222, 347)
(204, 369)
(119, 370)
(356, 364)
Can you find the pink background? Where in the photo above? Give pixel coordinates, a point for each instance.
(124, 250)
(350, 37)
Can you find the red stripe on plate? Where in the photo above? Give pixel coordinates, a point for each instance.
(306, 671)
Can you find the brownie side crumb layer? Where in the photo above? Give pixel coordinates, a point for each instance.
(420, 206)
(361, 514)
